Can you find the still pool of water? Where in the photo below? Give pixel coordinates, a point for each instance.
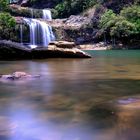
(74, 99)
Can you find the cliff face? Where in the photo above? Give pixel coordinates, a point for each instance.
(80, 28)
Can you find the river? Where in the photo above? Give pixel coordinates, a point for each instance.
(74, 99)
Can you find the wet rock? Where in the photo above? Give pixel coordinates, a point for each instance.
(18, 75)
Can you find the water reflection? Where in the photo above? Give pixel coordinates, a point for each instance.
(84, 99)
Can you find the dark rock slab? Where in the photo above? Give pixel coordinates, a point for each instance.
(11, 50)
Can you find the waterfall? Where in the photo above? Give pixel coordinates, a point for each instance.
(41, 33)
(47, 14)
(21, 33)
(12, 1)
(32, 13)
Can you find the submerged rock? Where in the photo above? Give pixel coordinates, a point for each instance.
(18, 75)
(6, 127)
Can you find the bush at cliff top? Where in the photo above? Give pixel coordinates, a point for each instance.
(7, 24)
(72, 7)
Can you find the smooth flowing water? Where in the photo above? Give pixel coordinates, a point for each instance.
(47, 14)
(21, 33)
(74, 99)
(41, 34)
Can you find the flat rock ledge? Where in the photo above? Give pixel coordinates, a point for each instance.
(62, 49)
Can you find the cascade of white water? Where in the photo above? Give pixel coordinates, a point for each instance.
(32, 27)
(47, 34)
(40, 33)
(47, 14)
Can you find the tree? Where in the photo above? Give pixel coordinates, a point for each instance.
(132, 14)
(3, 5)
(107, 20)
(125, 24)
(122, 28)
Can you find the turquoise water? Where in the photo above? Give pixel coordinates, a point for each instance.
(74, 99)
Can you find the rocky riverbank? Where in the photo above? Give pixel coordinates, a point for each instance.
(95, 46)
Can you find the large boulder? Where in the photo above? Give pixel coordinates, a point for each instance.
(11, 50)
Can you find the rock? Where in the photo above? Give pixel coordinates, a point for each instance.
(4, 77)
(11, 51)
(58, 53)
(18, 75)
(19, 11)
(24, 2)
(63, 44)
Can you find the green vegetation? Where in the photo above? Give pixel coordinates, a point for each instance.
(7, 22)
(72, 7)
(117, 22)
(123, 25)
(132, 15)
(3, 5)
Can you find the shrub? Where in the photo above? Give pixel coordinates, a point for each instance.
(3, 5)
(7, 24)
(72, 7)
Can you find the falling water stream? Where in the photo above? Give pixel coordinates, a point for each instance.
(41, 33)
(47, 14)
(21, 33)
